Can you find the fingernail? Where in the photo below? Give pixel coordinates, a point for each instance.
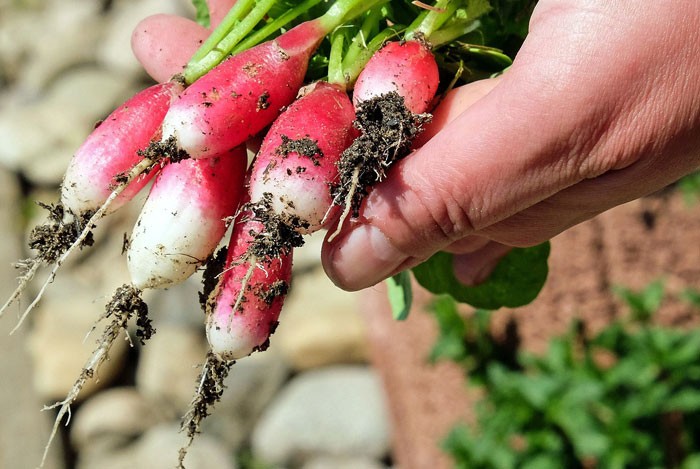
(363, 258)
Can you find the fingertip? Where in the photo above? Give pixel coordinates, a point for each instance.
(360, 257)
(163, 44)
(474, 268)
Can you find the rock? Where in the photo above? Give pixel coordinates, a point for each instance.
(25, 429)
(251, 384)
(41, 136)
(158, 449)
(168, 369)
(336, 411)
(330, 462)
(112, 419)
(70, 32)
(69, 309)
(320, 324)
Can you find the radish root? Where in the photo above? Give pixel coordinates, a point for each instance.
(125, 304)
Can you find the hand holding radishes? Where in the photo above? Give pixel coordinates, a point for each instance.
(580, 123)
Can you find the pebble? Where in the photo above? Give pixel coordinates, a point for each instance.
(330, 462)
(58, 343)
(336, 411)
(169, 365)
(112, 419)
(158, 449)
(250, 386)
(320, 324)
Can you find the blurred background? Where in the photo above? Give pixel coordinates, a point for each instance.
(343, 385)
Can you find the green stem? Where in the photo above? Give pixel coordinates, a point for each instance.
(335, 61)
(222, 49)
(359, 42)
(343, 11)
(275, 25)
(239, 9)
(430, 21)
(449, 34)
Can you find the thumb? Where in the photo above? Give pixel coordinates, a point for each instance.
(369, 237)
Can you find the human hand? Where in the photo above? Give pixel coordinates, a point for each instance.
(601, 106)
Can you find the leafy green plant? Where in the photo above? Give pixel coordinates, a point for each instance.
(628, 397)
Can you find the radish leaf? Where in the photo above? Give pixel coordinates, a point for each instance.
(201, 12)
(516, 280)
(400, 294)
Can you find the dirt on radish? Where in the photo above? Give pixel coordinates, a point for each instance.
(387, 129)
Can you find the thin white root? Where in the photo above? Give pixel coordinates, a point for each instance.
(88, 372)
(348, 204)
(135, 172)
(24, 280)
(252, 261)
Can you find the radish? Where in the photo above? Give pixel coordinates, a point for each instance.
(94, 183)
(183, 218)
(391, 95)
(246, 92)
(407, 68)
(289, 183)
(247, 302)
(296, 163)
(113, 148)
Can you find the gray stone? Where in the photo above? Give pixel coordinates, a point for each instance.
(320, 324)
(169, 365)
(70, 33)
(330, 462)
(69, 309)
(336, 411)
(158, 449)
(111, 419)
(251, 384)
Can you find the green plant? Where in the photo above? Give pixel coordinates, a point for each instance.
(628, 397)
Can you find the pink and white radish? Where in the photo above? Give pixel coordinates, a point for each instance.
(247, 302)
(112, 149)
(405, 67)
(183, 218)
(297, 161)
(391, 95)
(245, 93)
(289, 183)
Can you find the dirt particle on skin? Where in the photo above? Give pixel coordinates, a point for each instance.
(251, 69)
(127, 303)
(302, 146)
(263, 101)
(214, 266)
(56, 236)
(280, 234)
(387, 129)
(277, 289)
(168, 148)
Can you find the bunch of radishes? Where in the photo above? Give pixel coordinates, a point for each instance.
(322, 152)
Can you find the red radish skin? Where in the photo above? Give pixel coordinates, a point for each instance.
(183, 218)
(112, 149)
(238, 325)
(243, 94)
(321, 122)
(408, 67)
